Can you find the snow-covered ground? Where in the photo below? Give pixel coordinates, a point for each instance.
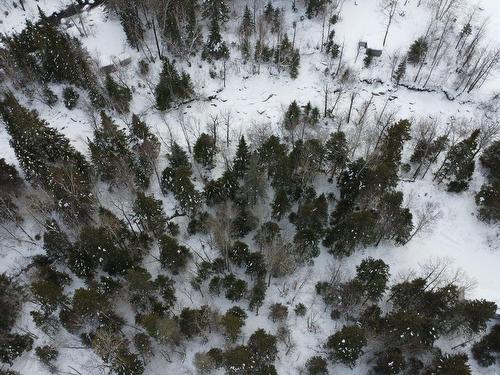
(13, 18)
(458, 238)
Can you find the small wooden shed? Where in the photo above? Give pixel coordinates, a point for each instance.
(369, 51)
(112, 65)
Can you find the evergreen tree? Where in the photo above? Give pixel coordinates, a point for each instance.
(177, 178)
(247, 27)
(387, 161)
(224, 188)
(12, 345)
(146, 149)
(277, 21)
(243, 223)
(389, 362)
(258, 294)
(271, 152)
(281, 204)
(204, 150)
(235, 288)
(332, 48)
(89, 308)
(238, 253)
(408, 328)
(215, 10)
(254, 185)
(269, 11)
(310, 220)
(458, 165)
(393, 221)
(149, 214)
(346, 345)
(464, 33)
(110, 153)
(300, 309)
(131, 23)
(172, 255)
(126, 363)
(372, 276)
(179, 182)
(490, 159)
(239, 361)
(55, 242)
(180, 26)
(43, 50)
(49, 160)
(232, 322)
(263, 348)
(47, 355)
(97, 247)
(400, 72)
(178, 157)
(356, 229)
(475, 314)
(336, 150)
(255, 265)
(288, 57)
(488, 198)
(10, 182)
(70, 97)
(368, 59)
(486, 350)
(417, 51)
(215, 48)
(314, 7)
(294, 64)
(241, 160)
(172, 86)
(293, 116)
(120, 95)
(447, 364)
(49, 97)
(316, 366)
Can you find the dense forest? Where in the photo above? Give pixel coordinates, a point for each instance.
(224, 248)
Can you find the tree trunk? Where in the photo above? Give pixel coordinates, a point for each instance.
(350, 107)
(156, 40)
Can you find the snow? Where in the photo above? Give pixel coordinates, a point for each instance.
(458, 239)
(13, 19)
(106, 40)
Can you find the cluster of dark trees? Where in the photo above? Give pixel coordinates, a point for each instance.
(181, 31)
(488, 198)
(422, 309)
(42, 53)
(107, 249)
(242, 214)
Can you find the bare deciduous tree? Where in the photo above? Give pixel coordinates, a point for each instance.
(389, 8)
(424, 218)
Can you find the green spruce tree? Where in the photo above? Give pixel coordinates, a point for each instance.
(172, 86)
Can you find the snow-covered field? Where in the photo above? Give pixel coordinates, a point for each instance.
(458, 238)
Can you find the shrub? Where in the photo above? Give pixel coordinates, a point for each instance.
(278, 312)
(300, 309)
(70, 97)
(47, 355)
(316, 366)
(346, 345)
